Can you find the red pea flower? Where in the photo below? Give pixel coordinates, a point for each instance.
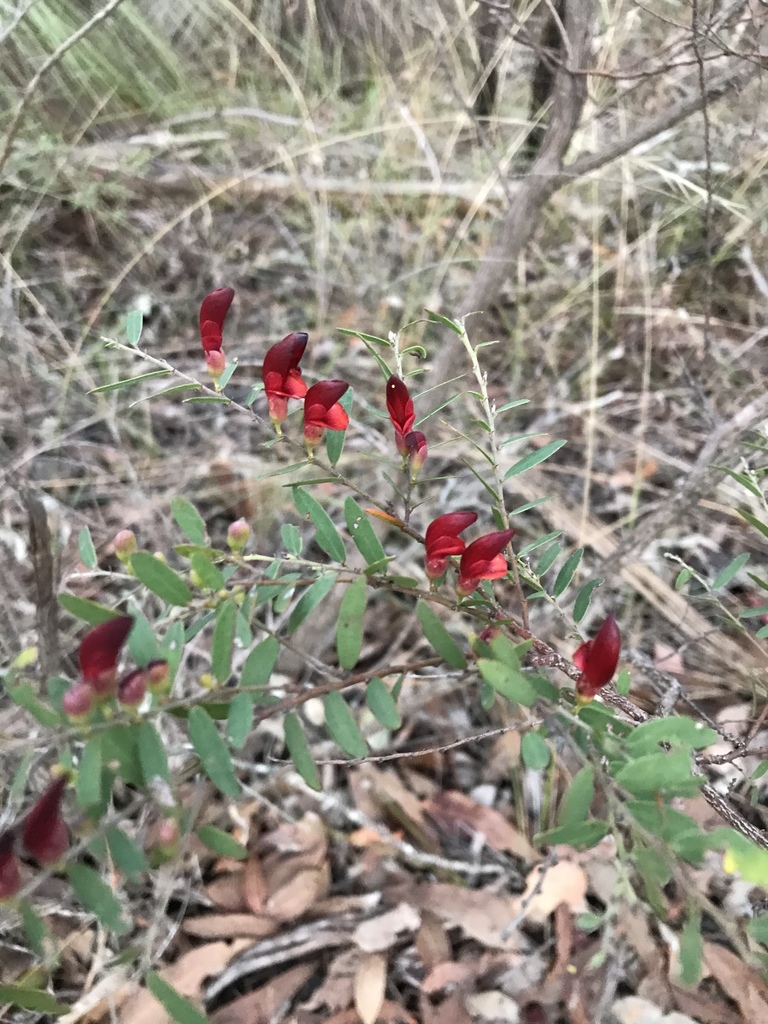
(10, 875)
(99, 653)
(401, 413)
(132, 687)
(43, 831)
(416, 446)
(598, 658)
(483, 560)
(323, 412)
(442, 540)
(213, 312)
(282, 376)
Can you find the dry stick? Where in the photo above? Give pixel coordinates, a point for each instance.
(44, 68)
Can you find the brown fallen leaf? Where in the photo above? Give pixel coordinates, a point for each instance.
(382, 932)
(228, 926)
(187, 976)
(445, 974)
(741, 983)
(299, 893)
(370, 985)
(432, 943)
(480, 913)
(255, 889)
(226, 892)
(564, 882)
(455, 812)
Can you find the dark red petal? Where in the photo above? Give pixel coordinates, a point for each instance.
(602, 657)
(43, 832)
(400, 405)
(325, 393)
(445, 546)
(215, 307)
(581, 654)
(283, 358)
(481, 552)
(211, 337)
(449, 525)
(10, 876)
(100, 647)
(132, 687)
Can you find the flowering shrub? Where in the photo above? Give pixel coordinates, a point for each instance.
(471, 604)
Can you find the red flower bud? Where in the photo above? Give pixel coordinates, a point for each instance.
(238, 535)
(282, 376)
(483, 560)
(213, 312)
(99, 653)
(598, 658)
(132, 688)
(158, 676)
(78, 702)
(125, 545)
(43, 832)
(442, 540)
(322, 410)
(10, 875)
(416, 446)
(401, 412)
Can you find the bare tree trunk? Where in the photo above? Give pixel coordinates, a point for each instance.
(524, 213)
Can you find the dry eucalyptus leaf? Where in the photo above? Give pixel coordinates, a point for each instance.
(564, 882)
(382, 932)
(455, 812)
(370, 985)
(227, 926)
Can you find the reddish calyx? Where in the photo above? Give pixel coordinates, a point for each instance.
(442, 540)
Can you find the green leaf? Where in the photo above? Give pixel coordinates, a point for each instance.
(577, 798)
(32, 999)
(25, 697)
(732, 569)
(240, 718)
(327, 536)
(129, 382)
(175, 389)
(134, 324)
(226, 377)
(89, 611)
(342, 726)
(210, 575)
(152, 756)
(212, 751)
(507, 681)
(581, 835)
(334, 439)
(310, 599)
(120, 752)
(533, 459)
(547, 560)
(754, 521)
(362, 533)
(691, 947)
(678, 829)
(514, 404)
(260, 663)
(160, 579)
(87, 550)
(382, 704)
(142, 642)
(221, 842)
(677, 730)
(349, 626)
(660, 773)
(535, 752)
(624, 682)
(95, 895)
(584, 596)
(452, 325)
(439, 637)
(291, 539)
(189, 520)
(758, 928)
(539, 543)
(35, 929)
(176, 1006)
(567, 572)
(89, 790)
(125, 853)
(223, 639)
(296, 742)
(682, 578)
